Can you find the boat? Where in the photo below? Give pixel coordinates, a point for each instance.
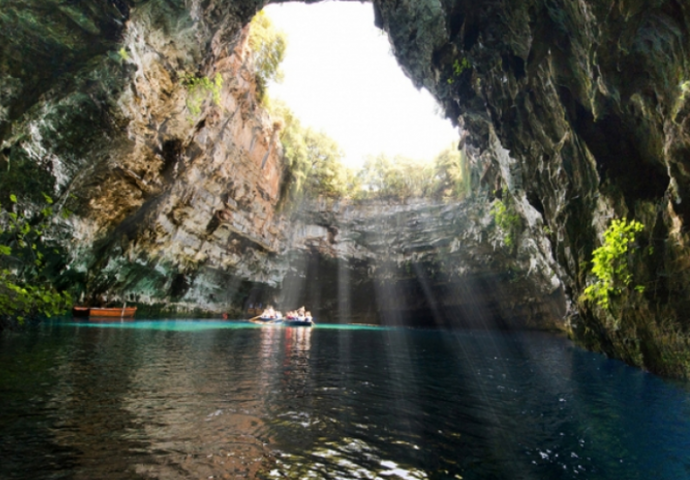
(265, 320)
(298, 322)
(288, 322)
(113, 312)
(117, 312)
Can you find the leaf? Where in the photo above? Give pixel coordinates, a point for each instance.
(13, 198)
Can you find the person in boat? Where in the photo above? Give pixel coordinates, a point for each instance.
(269, 313)
(307, 316)
(300, 312)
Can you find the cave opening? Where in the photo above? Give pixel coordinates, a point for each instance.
(340, 76)
(404, 162)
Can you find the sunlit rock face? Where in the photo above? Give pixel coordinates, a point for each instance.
(578, 110)
(168, 184)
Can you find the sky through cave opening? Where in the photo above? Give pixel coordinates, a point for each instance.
(341, 77)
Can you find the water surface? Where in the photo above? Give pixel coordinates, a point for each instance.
(203, 399)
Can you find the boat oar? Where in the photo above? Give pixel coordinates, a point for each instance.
(254, 318)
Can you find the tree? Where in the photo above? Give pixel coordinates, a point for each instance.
(268, 47)
(398, 177)
(452, 174)
(313, 160)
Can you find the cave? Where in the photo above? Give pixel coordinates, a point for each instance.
(455, 333)
(570, 117)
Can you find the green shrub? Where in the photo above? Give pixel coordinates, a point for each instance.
(459, 66)
(24, 290)
(124, 56)
(610, 262)
(507, 219)
(198, 90)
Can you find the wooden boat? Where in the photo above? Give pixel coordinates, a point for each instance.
(117, 312)
(125, 312)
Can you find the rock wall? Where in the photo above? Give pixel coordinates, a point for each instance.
(580, 109)
(577, 111)
(419, 263)
(167, 182)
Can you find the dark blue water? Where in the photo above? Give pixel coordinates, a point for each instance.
(178, 400)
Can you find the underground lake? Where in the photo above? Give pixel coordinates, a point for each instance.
(483, 204)
(211, 399)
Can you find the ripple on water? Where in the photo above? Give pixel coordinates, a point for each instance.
(200, 399)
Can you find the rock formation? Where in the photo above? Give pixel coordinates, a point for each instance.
(579, 112)
(590, 100)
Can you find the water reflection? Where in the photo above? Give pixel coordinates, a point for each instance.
(181, 400)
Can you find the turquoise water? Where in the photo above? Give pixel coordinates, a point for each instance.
(192, 325)
(209, 399)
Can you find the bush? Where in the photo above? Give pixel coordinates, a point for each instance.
(459, 66)
(198, 89)
(24, 289)
(610, 262)
(507, 219)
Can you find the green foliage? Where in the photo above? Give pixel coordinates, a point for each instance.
(268, 47)
(459, 66)
(685, 89)
(24, 289)
(198, 90)
(313, 160)
(610, 262)
(19, 173)
(446, 177)
(124, 56)
(396, 178)
(507, 219)
(314, 168)
(452, 174)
